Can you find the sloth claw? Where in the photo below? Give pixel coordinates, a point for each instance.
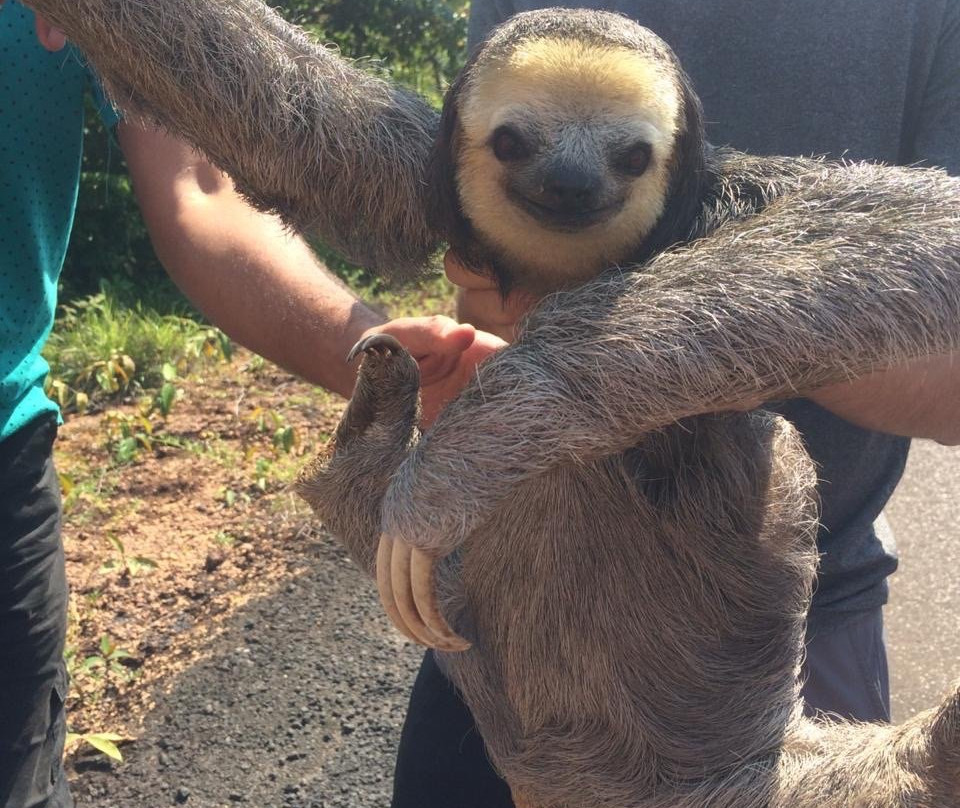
(405, 583)
(382, 344)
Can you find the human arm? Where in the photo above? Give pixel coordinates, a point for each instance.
(920, 399)
(480, 303)
(820, 288)
(261, 283)
(243, 269)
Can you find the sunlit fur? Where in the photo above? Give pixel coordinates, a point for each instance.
(633, 581)
(574, 92)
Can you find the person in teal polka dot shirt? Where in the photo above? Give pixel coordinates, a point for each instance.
(248, 274)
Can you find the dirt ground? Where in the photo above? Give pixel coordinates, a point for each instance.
(225, 610)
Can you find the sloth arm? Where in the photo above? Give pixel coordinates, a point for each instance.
(855, 272)
(334, 150)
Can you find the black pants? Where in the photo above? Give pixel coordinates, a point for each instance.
(33, 622)
(442, 762)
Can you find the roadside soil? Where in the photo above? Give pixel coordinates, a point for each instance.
(214, 625)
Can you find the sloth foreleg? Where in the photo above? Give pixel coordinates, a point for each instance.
(855, 271)
(346, 483)
(334, 150)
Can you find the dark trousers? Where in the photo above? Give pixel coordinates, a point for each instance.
(33, 622)
(442, 762)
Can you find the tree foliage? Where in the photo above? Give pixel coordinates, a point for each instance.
(422, 42)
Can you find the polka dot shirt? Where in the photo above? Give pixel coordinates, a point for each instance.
(41, 137)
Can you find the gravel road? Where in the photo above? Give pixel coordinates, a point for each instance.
(299, 703)
(300, 700)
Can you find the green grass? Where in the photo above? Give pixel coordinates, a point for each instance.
(100, 347)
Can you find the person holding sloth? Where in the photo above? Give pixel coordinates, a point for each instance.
(765, 92)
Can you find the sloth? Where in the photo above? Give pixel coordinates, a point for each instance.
(612, 561)
(629, 618)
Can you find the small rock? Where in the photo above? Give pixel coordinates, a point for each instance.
(215, 558)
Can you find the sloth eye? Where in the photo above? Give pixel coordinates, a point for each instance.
(508, 146)
(636, 161)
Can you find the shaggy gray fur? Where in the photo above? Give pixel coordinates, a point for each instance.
(634, 577)
(634, 580)
(637, 620)
(334, 150)
(849, 269)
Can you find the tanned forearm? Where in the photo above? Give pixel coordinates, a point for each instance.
(257, 281)
(919, 400)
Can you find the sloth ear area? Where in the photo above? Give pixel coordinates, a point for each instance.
(688, 173)
(445, 212)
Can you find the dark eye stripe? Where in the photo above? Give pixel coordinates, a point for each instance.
(508, 145)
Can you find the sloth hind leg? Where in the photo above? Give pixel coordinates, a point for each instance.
(346, 483)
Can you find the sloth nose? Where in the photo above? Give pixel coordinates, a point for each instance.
(570, 189)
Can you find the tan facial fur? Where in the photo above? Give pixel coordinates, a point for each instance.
(556, 83)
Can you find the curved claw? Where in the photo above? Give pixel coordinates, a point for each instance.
(425, 598)
(381, 343)
(402, 594)
(385, 587)
(405, 582)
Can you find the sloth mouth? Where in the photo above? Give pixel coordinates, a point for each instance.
(567, 220)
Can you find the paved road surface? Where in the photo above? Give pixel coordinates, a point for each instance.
(923, 618)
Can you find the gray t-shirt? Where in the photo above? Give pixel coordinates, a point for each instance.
(866, 79)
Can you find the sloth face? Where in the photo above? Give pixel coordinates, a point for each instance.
(565, 153)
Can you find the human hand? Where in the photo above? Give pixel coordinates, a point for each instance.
(447, 352)
(53, 39)
(480, 303)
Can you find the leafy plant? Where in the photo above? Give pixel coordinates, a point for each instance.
(167, 394)
(284, 437)
(127, 435)
(104, 742)
(129, 565)
(100, 348)
(261, 473)
(89, 673)
(423, 42)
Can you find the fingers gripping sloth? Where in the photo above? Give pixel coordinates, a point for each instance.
(627, 575)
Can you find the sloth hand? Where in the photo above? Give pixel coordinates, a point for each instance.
(405, 579)
(406, 567)
(422, 521)
(446, 351)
